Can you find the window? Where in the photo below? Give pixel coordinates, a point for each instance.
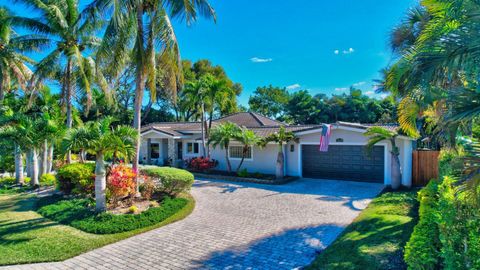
(193, 148)
(237, 152)
(292, 148)
(154, 150)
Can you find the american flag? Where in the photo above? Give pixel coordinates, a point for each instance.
(325, 138)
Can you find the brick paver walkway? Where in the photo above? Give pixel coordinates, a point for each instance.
(239, 226)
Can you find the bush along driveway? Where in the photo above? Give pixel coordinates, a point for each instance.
(376, 238)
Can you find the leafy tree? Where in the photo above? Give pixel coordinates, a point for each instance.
(269, 101)
(378, 134)
(281, 137)
(302, 108)
(222, 135)
(101, 139)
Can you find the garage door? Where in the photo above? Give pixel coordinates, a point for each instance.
(344, 162)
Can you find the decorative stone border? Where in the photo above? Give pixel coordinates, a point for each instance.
(245, 179)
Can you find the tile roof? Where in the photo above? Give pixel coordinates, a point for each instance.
(249, 119)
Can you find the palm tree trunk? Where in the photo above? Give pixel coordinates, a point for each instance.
(68, 101)
(229, 166)
(45, 158)
(34, 163)
(18, 165)
(50, 158)
(245, 149)
(396, 174)
(279, 170)
(204, 148)
(82, 156)
(28, 166)
(100, 184)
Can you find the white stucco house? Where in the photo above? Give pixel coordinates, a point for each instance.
(346, 158)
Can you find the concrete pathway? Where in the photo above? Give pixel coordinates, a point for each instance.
(239, 226)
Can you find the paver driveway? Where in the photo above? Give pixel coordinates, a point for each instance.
(239, 226)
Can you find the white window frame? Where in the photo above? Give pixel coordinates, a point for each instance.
(236, 158)
(193, 148)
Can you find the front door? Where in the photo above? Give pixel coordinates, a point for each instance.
(180, 150)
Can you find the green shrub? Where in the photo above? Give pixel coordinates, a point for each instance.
(243, 173)
(47, 179)
(79, 213)
(78, 178)
(422, 250)
(171, 180)
(450, 162)
(7, 181)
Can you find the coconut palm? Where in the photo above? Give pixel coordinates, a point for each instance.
(222, 135)
(73, 37)
(13, 63)
(378, 134)
(248, 139)
(140, 29)
(101, 139)
(281, 137)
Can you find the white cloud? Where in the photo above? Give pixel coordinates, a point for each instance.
(369, 93)
(349, 51)
(341, 89)
(359, 84)
(336, 52)
(293, 86)
(260, 60)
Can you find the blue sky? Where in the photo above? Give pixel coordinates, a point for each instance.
(323, 46)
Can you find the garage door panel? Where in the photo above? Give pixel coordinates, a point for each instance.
(344, 162)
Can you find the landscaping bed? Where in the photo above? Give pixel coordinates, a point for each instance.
(376, 238)
(250, 178)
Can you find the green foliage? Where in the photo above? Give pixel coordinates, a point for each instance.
(76, 178)
(47, 179)
(269, 101)
(422, 250)
(7, 163)
(7, 181)
(172, 181)
(450, 162)
(243, 173)
(79, 213)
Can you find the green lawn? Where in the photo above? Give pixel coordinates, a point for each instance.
(27, 237)
(376, 238)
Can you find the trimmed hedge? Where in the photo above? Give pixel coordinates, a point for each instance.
(172, 181)
(422, 250)
(79, 214)
(77, 178)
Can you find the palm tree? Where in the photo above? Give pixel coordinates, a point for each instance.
(102, 140)
(281, 137)
(73, 36)
(248, 139)
(13, 63)
(378, 134)
(222, 135)
(146, 27)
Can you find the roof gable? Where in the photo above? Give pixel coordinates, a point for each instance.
(249, 119)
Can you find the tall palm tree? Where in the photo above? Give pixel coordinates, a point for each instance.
(281, 137)
(378, 134)
(222, 135)
(248, 139)
(13, 62)
(140, 29)
(102, 139)
(73, 35)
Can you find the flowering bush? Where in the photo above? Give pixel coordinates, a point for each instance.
(201, 164)
(120, 182)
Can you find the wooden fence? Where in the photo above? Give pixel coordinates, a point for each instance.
(424, 167)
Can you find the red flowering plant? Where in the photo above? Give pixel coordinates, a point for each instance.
(120, 182)
(201, 164)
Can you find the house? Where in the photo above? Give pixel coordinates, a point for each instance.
(346, 158)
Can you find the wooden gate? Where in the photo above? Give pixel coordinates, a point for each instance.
(424, 167)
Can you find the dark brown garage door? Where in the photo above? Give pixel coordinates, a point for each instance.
(343, 162)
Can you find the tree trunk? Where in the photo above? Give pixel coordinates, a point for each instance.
(82, 156)
(140, 87)
(34, 163)
(279, 168)
(229, 166)
(396, 180)
(50, 158)
(68, 101)
(18, 165)
(245, 149)
(204, 148)
(45, 158)
(28, 166)
(100, 184)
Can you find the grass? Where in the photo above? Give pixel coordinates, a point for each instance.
(27, 237)
(376, 238)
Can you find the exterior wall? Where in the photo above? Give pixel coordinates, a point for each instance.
(263, 161)
(143, 148)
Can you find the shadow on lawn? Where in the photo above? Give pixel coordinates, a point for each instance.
(290, 249)
(352, 194)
